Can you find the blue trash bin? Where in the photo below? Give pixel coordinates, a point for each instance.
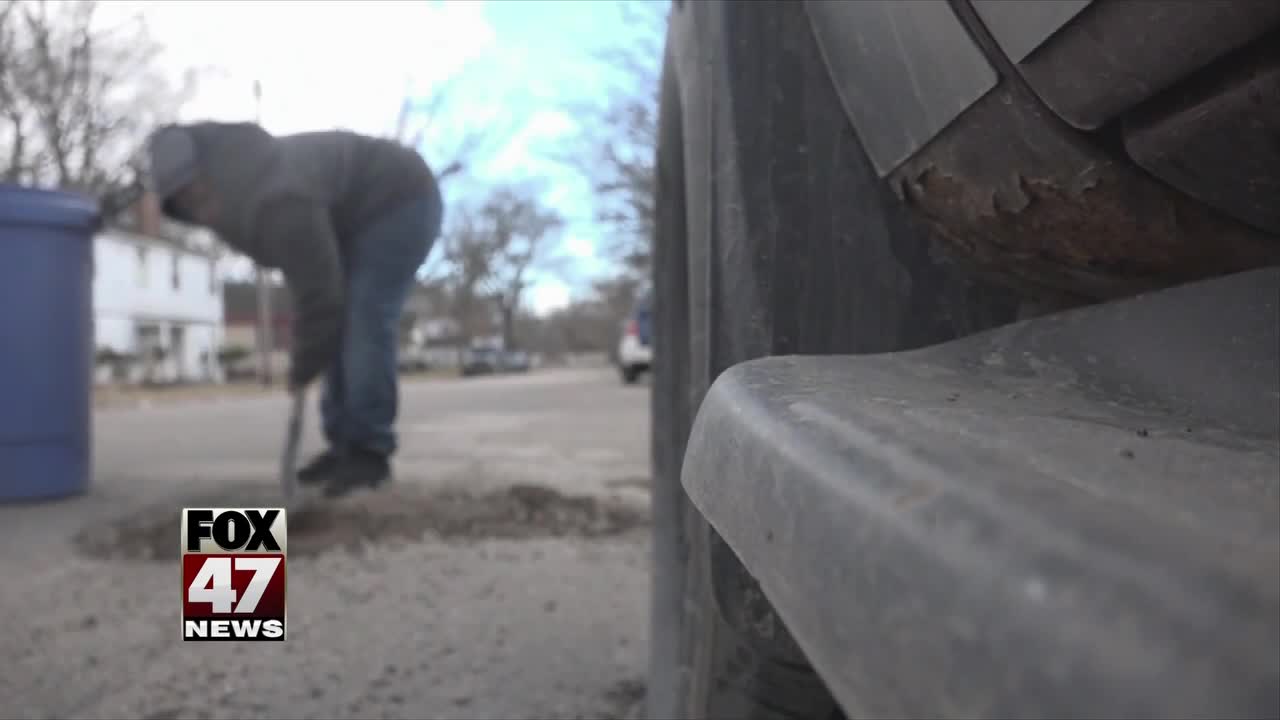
(46, 342)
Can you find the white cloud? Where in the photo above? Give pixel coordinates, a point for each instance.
(517, 153)
(579, 247)
(321, 64)
(548, 296)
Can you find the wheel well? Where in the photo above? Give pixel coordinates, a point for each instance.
(1065, 216)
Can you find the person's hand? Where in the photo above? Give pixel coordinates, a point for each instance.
(311, 357)
(297, 236)
(297, 392)
(305, 369)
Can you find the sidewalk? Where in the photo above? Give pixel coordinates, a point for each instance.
(115, 396)
(136, 396)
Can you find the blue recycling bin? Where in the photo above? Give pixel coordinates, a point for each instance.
(46, 342)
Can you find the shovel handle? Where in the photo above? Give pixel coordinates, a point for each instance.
(288, 465)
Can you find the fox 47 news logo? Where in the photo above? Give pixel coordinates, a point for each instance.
(233, 573)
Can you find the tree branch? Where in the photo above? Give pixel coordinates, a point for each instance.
(75, 97)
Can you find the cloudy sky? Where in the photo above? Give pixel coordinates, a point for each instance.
(516, 65)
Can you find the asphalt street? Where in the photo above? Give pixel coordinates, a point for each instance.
(503, 574)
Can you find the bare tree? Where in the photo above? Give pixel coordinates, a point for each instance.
(77, 96)
(450, 144)
(15, 119)
(461, 266)
(617, 295)
(590, 324)
(485, 260)
(519, 229)
(623, 135)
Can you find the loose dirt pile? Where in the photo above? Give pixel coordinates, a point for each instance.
(515, 512)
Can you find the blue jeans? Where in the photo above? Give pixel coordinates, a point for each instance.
(360, 399)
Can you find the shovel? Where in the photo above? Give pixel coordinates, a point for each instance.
(289, 462)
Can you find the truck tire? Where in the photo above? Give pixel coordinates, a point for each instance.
(792, 245)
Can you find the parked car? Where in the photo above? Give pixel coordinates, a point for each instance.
(515, 361)
(635, 353)
(481, 361)
(413, 359)
(966, 389)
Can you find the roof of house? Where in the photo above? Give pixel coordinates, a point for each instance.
(143, 220)
(123, 235)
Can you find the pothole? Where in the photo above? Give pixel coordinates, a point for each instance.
(515, 512)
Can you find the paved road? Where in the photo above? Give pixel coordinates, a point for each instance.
(503, 575)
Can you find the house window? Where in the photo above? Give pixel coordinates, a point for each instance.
(142, 265)
(175, 278)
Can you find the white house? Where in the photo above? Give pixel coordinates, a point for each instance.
(158, 305)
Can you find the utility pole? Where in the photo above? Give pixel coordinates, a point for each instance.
(265, 344)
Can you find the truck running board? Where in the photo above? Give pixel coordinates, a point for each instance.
(1077, 515)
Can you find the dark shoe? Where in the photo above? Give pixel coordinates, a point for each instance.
(320, 466)
(356, 470)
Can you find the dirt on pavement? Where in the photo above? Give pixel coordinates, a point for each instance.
(400, 514)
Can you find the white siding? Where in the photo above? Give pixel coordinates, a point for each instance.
(139, 282)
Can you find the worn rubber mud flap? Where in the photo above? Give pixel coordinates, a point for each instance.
(1074, 516)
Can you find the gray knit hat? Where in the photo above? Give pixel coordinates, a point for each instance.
(171, 161)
